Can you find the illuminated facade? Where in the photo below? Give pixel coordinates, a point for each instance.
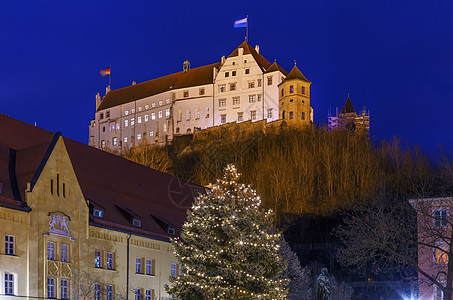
(241, 87)
(349, 120)
(75, 220)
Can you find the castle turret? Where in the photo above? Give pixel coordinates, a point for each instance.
(294, 99)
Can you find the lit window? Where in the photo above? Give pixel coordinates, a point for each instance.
(146, 118)
(133, 111)
(240, 116)
(64, 289)
(112, 126)
(149, 267)
(291, 115)
(97, 291)
(165, 127)
(146, 106)
(167, 101)
(64, 253)
(136, 222)
(50, 251)
(269, 80)
(50, 287)
(167, 112)
(189, 131)
(138, 294)
(132, 121)
(160, 103)
(139, 108)
(125, 139)
(189, 115)
(198, 113)
(153, 105)
(174, 269)
(114, 141)
(103, 144)
(303, 115)
(253, 114)
(138, 265)
(186, 94)
(251, 84)
(247, 71)
(223, 119)
(149, 295)
(151, 133)
(139, 136)
(236, 101)
(259, 97)
(109, 292)
(233, 73)
(110, 263)
(126, 112)
(160, 114)
(222, 102)
(303, 90)
(259, 82)
(118, 125)
(252, 98)
(126, 123)
(139, 120)
(201, 91)
(233, 86)
(98, 259)
(9, 245)
(227, 74)
(440, 217)
(9, 284)
(269, 113)
(221, 88)
(291, 89)
(153, 116)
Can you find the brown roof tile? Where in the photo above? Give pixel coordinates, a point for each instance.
(295, 73)
(196, 76)
(248, 49)
(347, 107)
(276, 67)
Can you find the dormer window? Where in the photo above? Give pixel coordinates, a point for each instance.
(98, 212)
(136, 222)
(227, 74)
(171, 230)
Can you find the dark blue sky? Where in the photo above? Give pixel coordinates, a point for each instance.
(394, 57)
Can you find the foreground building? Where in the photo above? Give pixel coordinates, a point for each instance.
(74, 219)
(349, 120)
(241, 87)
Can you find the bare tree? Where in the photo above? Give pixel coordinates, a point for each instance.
(155, 157)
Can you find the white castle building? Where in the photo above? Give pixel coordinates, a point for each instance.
(244, 86)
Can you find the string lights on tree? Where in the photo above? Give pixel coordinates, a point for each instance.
(228, 248)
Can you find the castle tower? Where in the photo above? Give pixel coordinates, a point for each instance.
(294, 99)
(349, 120)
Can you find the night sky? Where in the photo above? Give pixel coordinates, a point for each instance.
(394, 57)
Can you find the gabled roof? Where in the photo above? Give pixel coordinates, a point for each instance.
(106, 179)
(347, 107)
(263, 63)
(295, 73)
(276, 67)
(196, 76)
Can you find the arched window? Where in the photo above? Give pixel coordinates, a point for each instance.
(198, 113)
(189, 114)
(283, 114)
(180, 115)
(291, 115)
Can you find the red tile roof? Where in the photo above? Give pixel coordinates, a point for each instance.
(263, 63)
(276, 67)
(295, 73)
(106, 180)
(196, 76)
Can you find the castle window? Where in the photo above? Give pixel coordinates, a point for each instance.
(207, 112)
(64, 289)
(101, 116)
(125, 139)
(103, 128)
(189, 131)
(186, 94)
(233, 73)
(132, 121)
(223, 119)
(153, 105)
(50, 287)
(151, 133)
(146, 118)
(222, 102)
(160, 102)
(291, 89)
(177, 129)
(245, 61)
(110, 262)
(440, 217)
(259, 82)
(149, 295)
(126, 112)
(153, 116)
(234, 63)
(269, 80)
(139, 136)
(303, 115)
(138, 294)
(236, 101)
(247, 71)
(107, 114)
(109, 295)
(303, 90)
(201, 91)
(133, 111)
(221, 88)
(50, 251)
(97, 291)
(251, 84)
(139, 120)
(291, 115)
(167, 112)
(198, 113)
(252, 98)
(9, 284)
(165, 128)
(103, 144)
(283, 92)
(149, 267)
(112, 127)
(253, 114)
(283, 114)
(136, 222)
(179, 115)
(269, 113)
(139, 108)
(240, 116)
(233, 86)
(146, 106)
(9, 244)
(174, 269)
(167, 101)
(64, 253)
(189, 115)
(259, 97)
(97, 259)
(126, 123)
(227, 74)
(291, 100)
(160, 114)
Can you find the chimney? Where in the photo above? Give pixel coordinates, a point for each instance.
(240, 51)
(186, 66)
(134, 83)
(222, 59)
(98, 100)
(257, 48)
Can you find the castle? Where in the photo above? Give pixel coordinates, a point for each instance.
(241, 87)
(348, 120)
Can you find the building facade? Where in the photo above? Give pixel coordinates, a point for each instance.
(241, 87)
(349, 120)
(77, 222)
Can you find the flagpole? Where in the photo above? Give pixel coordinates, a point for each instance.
(110, 76)
(247, 30)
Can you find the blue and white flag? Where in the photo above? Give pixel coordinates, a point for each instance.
(240, 23)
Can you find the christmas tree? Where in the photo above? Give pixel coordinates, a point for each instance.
(228, 248)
